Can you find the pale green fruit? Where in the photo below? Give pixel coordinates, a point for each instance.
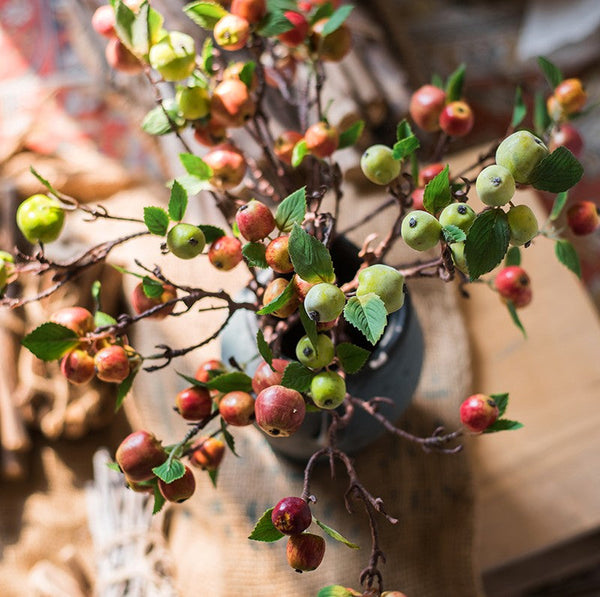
(174, 56)
(193, 102)
(520, 153)
(523, 225)
(185, 241)
(6, 257)
(3, 274)
(384, 281)
(420, 230)
(324, 302)
(318, 359)
(458, 256)
(458, 214)
(328, 389)
(378, 164)
(495, 185)
(40, 218)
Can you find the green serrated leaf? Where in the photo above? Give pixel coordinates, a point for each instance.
(247, 73)
(559, 203)
(157, 220)
(207, 56)
(264, 349)
(337, 19)
(124, 388)
(501, 401)
(310, 257)
(403, 130)
(405, 147)
(279, 301)
(351, 135)
(367, 313)
(50, 341)
(513, 257)
(291, 210)
(297, 377)
(229, 439)
(541, 119)
(274, 23)
(352, 358)
(254, 253)
(205, 14)
(551, 71)
(264, 529)
(336, 591)
(557, 172)
(487, 242)
(437, 194)
(195, 166)
(152, 288)
(567, 255)
(157, 122)
(170, 470)
(519, 110)
(231, 382)
(453, 234)
(299, 153)
(515, 317)
(335, 535)
(309, 325)
(159, 500)
(455, 84)
(503, 425)
(102, 319)
(177, 202)
(211, 233)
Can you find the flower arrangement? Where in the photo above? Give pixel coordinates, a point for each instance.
(284, 241)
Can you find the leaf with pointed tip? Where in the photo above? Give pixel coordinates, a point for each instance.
(352, 358)
(368, 314)
(50, 341)
(291, 210)
(264, 529)
(515, 317)
(297, 377)
(177, 202)
(501, 401)
(310, 257)
(551, 71)
(567, 255)
(170, 470)
(264, 349)
(557, 172)
(205, 14)
(351, 135)
(519, 110)
(336, 535)
(157, 220)
(487, 242)
(503, 425)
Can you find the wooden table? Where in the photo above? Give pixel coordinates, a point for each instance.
(538, 489)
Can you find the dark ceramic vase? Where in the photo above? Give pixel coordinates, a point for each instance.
(392, 371)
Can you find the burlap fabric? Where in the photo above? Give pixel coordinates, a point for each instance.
(429, 552)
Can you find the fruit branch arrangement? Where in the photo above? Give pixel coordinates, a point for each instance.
(285, 242)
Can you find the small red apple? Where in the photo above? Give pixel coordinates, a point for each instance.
(429, 173)
(456, 119)
(305, 551)
(278, 256)
(272, 291)
(284, 145)
(228, 165)
(231, 104)
(513, 284)
(279, 411)
(251, 10)
(179, 490)
(138, 454)
(112, 364)
(255, 220)
(583, 218)
(209, 133)
(571, 95)
(194, 403)
(332, 47)
(120, 58)
(231, 32)
(567, 136)
(141, 302)
(103, 21)
(203, 373)
(225, 253)
(478, 412)
(78, 319)
(78, 366)
(426, 105)
(321, 139)
(295, 36)
(291, 516)
(265, 377)
(207, 453)
(237, 408)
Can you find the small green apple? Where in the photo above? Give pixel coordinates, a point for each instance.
(495, 185)
(522, 223)
(328, 389)
(384, 281)
(378, 164)
(315, 359)
(40, 218)
(458, 214)
(458, 257)
(185, 241)
(174, 56)
(520, 153)
(420, 230)
(324, 302)
(193, 102)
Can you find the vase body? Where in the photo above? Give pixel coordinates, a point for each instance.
(392, 372)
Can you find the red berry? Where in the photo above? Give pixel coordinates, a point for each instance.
(138, 454)
(203, 373)
(237, 408)
(456, 119)
(194, 404)
(291, 516)
(426, 105)
(478, 412)
(112, 364)
(78, 366)
(225, 253)
(583, 218)
(512, 283)
(279, 411)
(255, 220)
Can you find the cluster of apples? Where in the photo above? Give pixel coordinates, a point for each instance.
(105, 358)
(431, 111)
